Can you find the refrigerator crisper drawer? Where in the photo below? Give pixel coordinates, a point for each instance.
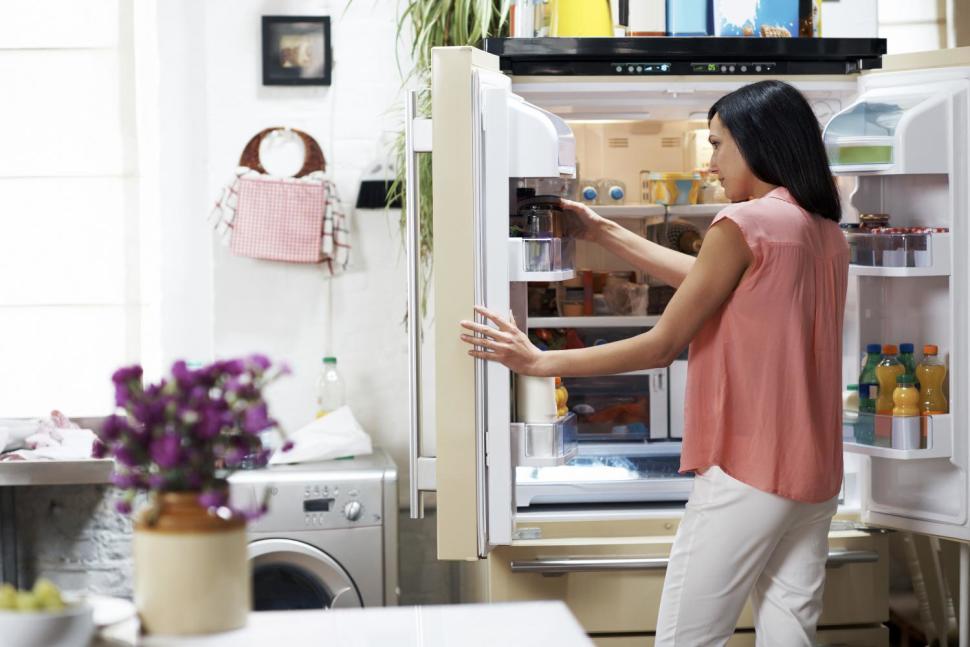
(545, 444)
(614, 408)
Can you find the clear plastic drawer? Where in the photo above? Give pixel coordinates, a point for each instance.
(547, 443)
(541, 259)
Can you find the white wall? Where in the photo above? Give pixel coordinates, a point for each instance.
(290, 312)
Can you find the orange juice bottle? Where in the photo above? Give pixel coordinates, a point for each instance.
(906, 418)
(930, 373)
(887, 371)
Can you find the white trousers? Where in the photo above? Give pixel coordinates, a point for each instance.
(735, 541)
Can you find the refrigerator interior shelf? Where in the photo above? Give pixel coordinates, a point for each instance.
(696, 210)
(633, 211)
(624, 321)
(541, 259)
(899, 254)
(544, 444)
(939, 438)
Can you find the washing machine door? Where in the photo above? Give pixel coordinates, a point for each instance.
(289, 574)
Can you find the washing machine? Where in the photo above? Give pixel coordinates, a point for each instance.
(329, 538)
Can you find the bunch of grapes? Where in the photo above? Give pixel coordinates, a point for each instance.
(45, 596)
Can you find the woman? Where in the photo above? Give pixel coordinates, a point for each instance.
(761, 307)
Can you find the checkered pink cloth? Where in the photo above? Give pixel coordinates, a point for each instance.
(296, 220)
(279, 221)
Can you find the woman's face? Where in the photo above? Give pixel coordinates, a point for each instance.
(727, 162)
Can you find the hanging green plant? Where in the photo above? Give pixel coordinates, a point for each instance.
(436, 23)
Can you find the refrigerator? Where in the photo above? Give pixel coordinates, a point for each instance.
(896, 129)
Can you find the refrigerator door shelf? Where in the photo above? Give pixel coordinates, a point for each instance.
(541, 259)
(899, 255)
(892, 131)
(540, 143)
(939, 437)
(545, 444)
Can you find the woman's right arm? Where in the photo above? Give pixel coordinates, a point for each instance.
(668, 265)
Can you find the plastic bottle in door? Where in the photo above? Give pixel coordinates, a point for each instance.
(868, 392)
(906, 418)
(907, 359)
(886, 373)
(931, 372)
(330, 388)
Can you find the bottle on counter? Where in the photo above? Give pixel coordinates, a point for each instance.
(330, 388)
(868, 393)
(906, 418)
(931, 372)
(886, 373)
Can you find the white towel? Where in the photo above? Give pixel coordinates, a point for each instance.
(336, 435)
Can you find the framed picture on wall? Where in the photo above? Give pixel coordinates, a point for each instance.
(296, 50)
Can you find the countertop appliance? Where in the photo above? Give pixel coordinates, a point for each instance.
(329, 538)
(899, 133)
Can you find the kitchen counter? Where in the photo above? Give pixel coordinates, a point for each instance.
(531, 624)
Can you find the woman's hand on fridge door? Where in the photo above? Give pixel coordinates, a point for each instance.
(582, 222)
(503, 343)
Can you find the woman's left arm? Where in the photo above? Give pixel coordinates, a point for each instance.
(722, 262)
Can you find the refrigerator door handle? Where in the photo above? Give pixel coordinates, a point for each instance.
(417, 136)
(553, 567)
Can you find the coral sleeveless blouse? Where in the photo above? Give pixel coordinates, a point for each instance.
(764, 375)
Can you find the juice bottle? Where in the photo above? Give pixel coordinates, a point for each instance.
(906, 418)
(931, 372)
(906, 358)
(864, 431)
(886, 373)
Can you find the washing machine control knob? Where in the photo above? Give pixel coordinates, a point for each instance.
(352, 510)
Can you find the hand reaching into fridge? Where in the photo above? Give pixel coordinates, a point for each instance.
(582, 222)
(504, 343)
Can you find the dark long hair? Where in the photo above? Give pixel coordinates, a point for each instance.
(779, 137)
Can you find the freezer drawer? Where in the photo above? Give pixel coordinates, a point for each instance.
(627, 599)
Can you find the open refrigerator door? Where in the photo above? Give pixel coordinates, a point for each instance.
(905, 139)
(482, 136)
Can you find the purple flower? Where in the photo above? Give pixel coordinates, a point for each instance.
(256, 419)
(125, 480)
(98, 449)
(184, 376)
(213, 498)
(260, 361)
(231, 366)
(165, 450)
(123, 506)
(113, 428)
(127, 374)
(124, 456)
(157, 481)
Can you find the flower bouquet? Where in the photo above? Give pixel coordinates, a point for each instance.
(178, 439)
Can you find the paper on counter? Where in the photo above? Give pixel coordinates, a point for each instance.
(336, 435)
